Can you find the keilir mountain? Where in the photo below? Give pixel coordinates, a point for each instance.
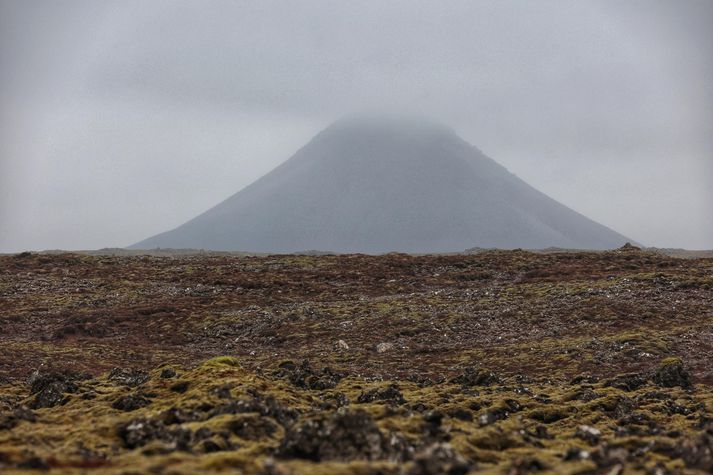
(373, 186)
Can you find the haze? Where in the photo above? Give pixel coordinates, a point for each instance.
(120, 120)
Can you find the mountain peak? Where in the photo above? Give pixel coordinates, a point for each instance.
(386, 182)
(376, 126)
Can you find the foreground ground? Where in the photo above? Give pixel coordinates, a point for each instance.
(507, 361)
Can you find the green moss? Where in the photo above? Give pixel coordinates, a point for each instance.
(674, 360)
(223, 361)
(549, 415)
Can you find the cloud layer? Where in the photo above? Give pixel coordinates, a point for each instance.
(122, 119)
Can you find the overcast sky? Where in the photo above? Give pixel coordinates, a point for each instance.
(122, 119)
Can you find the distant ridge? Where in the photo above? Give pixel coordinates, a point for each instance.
(386, 184)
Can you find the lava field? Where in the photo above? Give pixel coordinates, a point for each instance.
(492, 361)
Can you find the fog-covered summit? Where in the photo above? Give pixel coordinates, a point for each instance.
(388, 124)
(387, 183)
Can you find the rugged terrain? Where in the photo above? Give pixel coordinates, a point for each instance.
(501, 361)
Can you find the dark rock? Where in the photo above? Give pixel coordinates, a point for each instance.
(461, 414)
(390, 394)
(588, 434)
(476, 377)
(637, 424)
(24, 413)
(50, 388)
(52, 395)
(176, 415)
(542, 398)
(671, 407)
(513, 405)
(585, 395)
(671, 372)
(492, 416)
(207, 441)
(628, 382)
(252, 427)
(283, 415)
(424, 381)
(628, 247)
(653, 396)
(34, 463)
(180, 387)
(584, 379)
(202, 434)
(141, 431)
(88, 395)
(344, 435)
(432, 424)
(304, 376)
(659, 469)
(610, 455)
(575, 453)
(540, 432)
(168, 373)
(130, 402)
(7, 421)
(10, 419)
(439, 459)
(210, 446)
(523, 390)
(524, 465)
(334, 401)
(129, 377)
(223, 392)
(268, 407)
(434, 417)
(697, 452)
(615, 407)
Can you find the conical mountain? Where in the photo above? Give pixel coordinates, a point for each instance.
(388, 184)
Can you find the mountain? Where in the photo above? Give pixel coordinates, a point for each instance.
(387, 184)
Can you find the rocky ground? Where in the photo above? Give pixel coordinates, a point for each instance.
(499, 361)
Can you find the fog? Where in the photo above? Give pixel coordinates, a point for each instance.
(119, 120)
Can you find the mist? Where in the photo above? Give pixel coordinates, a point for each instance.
(119, 120)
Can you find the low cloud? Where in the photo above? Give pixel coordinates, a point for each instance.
(120, 120)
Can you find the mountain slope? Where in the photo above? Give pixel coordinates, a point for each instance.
(366, 185)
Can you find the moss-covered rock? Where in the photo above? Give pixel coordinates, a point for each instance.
(672, 372)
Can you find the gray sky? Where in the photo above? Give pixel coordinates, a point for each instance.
(121, 119)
